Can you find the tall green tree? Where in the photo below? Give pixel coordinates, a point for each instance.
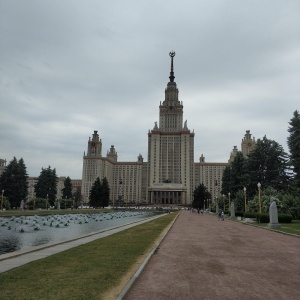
(67, 190)
(14, 182)
(96, 194)
(200, 194)
(47, 185)
(104, 200)
(77, 196)
(293, 142)
(239, 175)
(226, 181)
(267, 164)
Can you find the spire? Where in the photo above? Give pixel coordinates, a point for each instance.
(172, 77)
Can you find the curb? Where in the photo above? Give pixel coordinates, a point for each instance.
(136, 275)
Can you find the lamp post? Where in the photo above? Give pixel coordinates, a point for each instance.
(120, 191)
(229, 199)
(259, 201)
(2, 200)
(47, 202)
(224, 204)
(245, 197)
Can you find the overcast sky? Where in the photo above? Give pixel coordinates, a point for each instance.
(68, 68)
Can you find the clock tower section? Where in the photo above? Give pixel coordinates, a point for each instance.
(94, 146)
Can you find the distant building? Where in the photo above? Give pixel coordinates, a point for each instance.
(169, 176)
(2, 165)
(248, 143)
(76, 184)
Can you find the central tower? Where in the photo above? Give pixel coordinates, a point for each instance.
(170, 151)
(171, 110)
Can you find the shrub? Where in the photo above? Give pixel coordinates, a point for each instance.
(250, 215)
(239, 213)
(282, 218)
(285, 218)
(262, 218)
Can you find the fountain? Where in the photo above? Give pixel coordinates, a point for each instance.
(28, 231)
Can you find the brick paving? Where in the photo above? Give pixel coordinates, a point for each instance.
(204, 258)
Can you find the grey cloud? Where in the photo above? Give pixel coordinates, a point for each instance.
(69, 68)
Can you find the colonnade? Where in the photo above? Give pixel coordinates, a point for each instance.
(167, 197)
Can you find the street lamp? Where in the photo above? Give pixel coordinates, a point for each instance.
(229, 200)
(120, 191)
(224, 206)
(259, 202)
(245, 197)
(47, 202)
(2, 200)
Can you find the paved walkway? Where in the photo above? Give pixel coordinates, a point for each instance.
(204, 258)
(15, 259)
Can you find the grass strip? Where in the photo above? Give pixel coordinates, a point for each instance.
(291, 228)
(85, 272)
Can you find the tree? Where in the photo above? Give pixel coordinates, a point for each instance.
(46, 186)
(239, 176)
(293, 142)
(67, 190)
(14, 182)
(95, 194)
(267, 164)
(239, 201)
(200, 195)
(104, 200)
(77, 196)
(226, 180)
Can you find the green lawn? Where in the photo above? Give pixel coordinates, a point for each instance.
(85, 272)
(293, 228)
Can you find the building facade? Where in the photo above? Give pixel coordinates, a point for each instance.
(170, 175)
(2, 165)
(76, 185)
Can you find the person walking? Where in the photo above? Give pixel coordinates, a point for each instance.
(222, 215)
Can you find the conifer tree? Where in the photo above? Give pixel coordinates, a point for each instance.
(239, 175)
(268, 164)
(226, 180)
(67, 190)
(13, 181)
(95, 194)
(104, 201)
(200, 195)
(47, 185)
(293, 142)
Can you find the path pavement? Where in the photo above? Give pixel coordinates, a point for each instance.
(15, 259)
(204, 258)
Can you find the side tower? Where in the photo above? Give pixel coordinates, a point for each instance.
(248, 143)
(92, 165)
(170, 152)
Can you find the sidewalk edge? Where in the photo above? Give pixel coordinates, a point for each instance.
(136, 275)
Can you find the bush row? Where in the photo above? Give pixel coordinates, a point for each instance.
(264, 217)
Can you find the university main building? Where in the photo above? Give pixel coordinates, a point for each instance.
(170, 175)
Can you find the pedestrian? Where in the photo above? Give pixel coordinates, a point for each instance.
(222, 215)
